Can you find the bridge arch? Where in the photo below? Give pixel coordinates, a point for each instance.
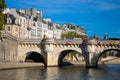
(97, 57)
(34, 57)
(64, 53)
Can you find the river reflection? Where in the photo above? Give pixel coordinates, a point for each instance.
(108, 72)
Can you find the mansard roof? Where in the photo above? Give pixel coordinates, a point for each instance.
(10, 17)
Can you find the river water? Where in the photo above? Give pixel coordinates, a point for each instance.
(106, 72)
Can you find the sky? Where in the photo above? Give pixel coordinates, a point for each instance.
(98, 17)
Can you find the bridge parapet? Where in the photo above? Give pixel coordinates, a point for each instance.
(46, 40)
(90, 42)
(108, 43)
(72, 41)
(28, 43)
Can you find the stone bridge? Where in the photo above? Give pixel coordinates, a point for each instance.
(52, 51)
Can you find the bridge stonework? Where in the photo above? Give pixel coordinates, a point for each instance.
(95, 48)
(53, 51)
(26, 46)
(90, 49)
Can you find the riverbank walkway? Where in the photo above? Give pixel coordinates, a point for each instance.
(13, 65)
(19, 65)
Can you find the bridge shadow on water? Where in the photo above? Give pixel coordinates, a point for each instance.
(72, 63)
(65, 64)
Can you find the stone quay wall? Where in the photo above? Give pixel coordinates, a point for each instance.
(8, 48)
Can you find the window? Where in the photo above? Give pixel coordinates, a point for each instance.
(20, 20)
(8, 21)
(24, 21)
(8, 28)
(33, 24)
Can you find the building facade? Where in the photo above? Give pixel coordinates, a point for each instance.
(29, 24)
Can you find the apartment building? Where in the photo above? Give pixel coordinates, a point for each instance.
(29, 24)
(10, 25)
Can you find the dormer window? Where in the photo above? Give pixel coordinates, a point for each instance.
(8, 21)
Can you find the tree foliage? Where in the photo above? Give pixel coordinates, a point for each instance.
(2, 6)
(72, 34)
(105, 54)
(74, 54)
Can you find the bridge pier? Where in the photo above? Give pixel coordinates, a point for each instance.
(90, 52)
(50, 58)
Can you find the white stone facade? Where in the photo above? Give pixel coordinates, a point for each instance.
(33, 26)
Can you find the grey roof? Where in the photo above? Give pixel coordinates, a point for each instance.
(11, 17)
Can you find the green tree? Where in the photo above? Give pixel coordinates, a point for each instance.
(72, 34)
(62, 35)
(74, 54)
(2, 6)
(105, 54)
